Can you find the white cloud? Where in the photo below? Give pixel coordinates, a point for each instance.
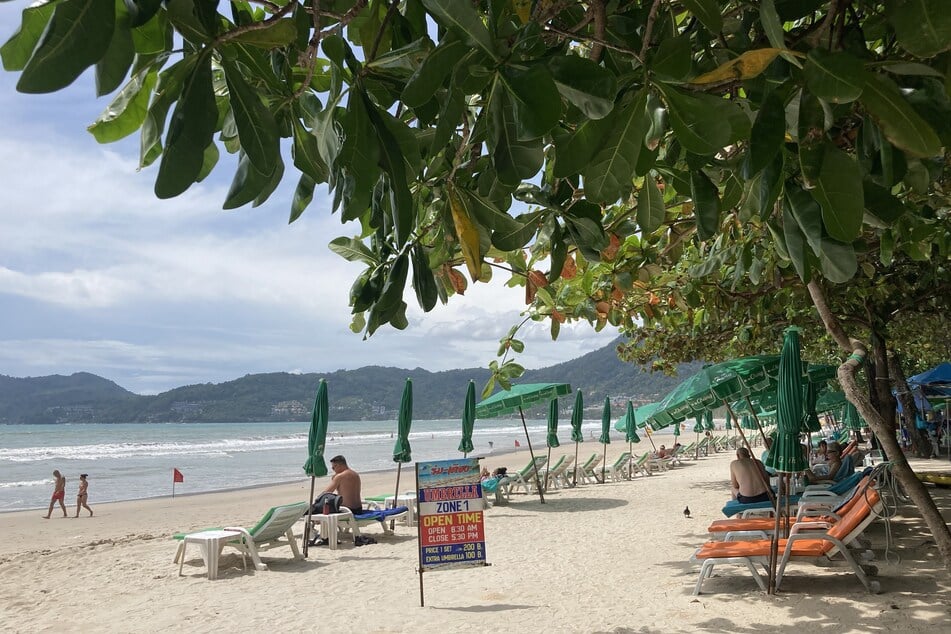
(98, 275)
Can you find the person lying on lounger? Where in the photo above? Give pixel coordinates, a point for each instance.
(748, 478)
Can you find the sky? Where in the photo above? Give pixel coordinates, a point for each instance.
(98, 275)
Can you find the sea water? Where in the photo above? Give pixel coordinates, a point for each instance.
(134, 461)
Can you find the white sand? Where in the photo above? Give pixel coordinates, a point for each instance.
(598, 558)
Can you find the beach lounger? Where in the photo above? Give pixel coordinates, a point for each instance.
(335, 525)
(544, 474)
(525, 478)
(590, 473)
(272, 531)
(619, 469)
(557, 475)
(807, 543)
(577, 473)
(639, 465)
(814, 492)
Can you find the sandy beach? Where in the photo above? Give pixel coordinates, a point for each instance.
(596, 558)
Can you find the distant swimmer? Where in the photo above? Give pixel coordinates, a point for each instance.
(491, 444)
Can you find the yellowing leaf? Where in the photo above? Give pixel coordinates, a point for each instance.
(523, 9)
(468, 235)
(748, 65)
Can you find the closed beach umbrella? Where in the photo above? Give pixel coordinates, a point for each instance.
(605, 438)
(811, 417)
(315, 466)
(517, 398)
(577, 417)
(853, 420)
(401, 450)
(552, 439)
(708, 420)
(630, 434)
(468, 420)
(785, 456)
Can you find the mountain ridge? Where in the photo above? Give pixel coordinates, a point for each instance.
(370, 392)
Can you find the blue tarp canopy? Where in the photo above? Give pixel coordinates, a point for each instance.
(934, 382)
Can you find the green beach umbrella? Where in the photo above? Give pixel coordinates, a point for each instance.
(853, 420)
(698, 426)
(517, 398)
(468, 420)
(605, 438)
(708, 420)
(641, 414)
(401, 450)
(630, 435)
(315, 466)
(811, 417)
(785, 455)
(552, 440)
(577, 417)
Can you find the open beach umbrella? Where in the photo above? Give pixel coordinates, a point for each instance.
(315, 466)
(641, 414)
(401, 450)
(517, 398)
(552, 439)
(605, 438)
(577, 417)
(468, 420)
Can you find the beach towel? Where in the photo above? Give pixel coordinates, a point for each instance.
(381, 515)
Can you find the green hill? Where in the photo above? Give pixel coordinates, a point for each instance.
(371, 392)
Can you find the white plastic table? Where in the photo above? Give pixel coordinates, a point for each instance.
(408, 500)
(211, 543)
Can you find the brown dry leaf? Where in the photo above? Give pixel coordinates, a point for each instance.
(529, 291)
(611, 250)
(602, 308)
(457, 280)
(468, 235)
(569, 270)
(539, 279)
(558, 316)
(617, 294)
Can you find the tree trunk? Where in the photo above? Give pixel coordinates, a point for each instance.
(919, 440)
(900, 468)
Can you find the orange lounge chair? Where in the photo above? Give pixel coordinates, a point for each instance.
(809, 510)
(808, 546)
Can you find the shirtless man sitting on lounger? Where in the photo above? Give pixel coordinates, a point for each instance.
(748, 478)
(346, 484)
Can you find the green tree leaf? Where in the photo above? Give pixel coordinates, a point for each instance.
(463, 18)
(189, 132)
(773, 27)
(768, 133)
(574, 151)
(672, 58)
(837, 261)
(128, 109)
(76, 37)
(651, 212)
(303, 195)
(424, 283)
(433, 71)
(839, 192)
(257, 130)
(537, 106)
(698, 120)
(610, 174)
(17, 50)
(834, 77)
(114, 65)
(707, 11)
(796, 246)
(923, 27)
(898, 121)
(588, 86)
(277, 34)
(706, 204)
(353, 250)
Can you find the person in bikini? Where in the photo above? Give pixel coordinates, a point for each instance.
(59, 495)
(83, 495)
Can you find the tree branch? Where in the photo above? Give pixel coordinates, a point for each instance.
(648, 30)
(255, 26)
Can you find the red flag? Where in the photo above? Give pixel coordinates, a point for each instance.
(177, 476)
(517, 444)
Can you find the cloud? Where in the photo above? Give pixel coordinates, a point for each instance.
(98, 275)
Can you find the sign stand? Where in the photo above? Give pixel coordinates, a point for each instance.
(450, 526)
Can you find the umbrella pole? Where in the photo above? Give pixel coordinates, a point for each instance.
(574, 479)
(653, 446)
(756, 419)
(547, 465)
(774, 545)
(531, 452)
(603, 458)
(630, 458)
(310, 512)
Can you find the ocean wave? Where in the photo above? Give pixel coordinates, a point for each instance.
(25, 483)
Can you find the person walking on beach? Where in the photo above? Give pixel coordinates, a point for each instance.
(83, 495)
(59, 495)
(346, 483)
